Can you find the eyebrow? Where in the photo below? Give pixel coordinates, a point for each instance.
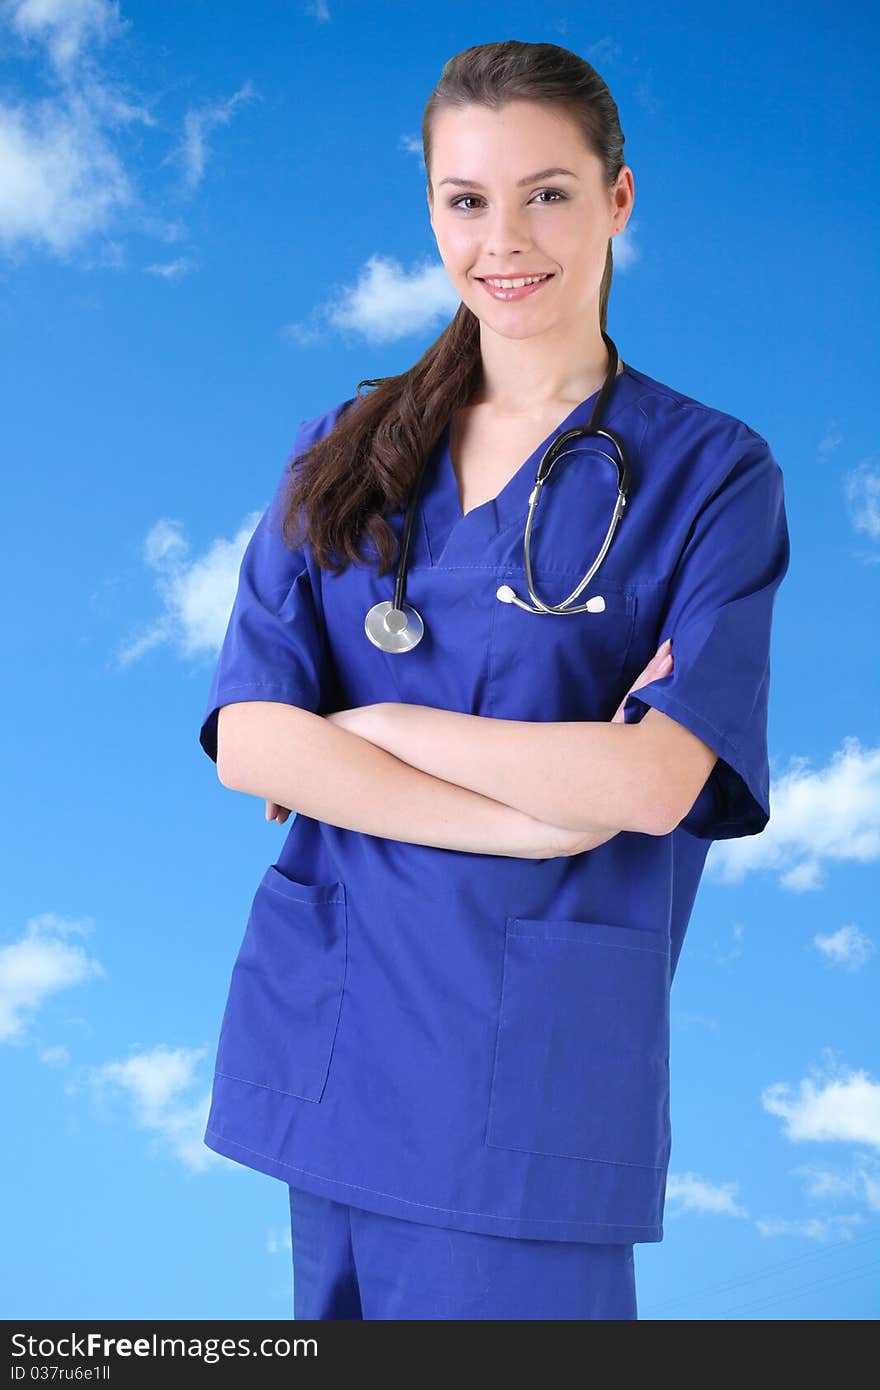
(520, 183)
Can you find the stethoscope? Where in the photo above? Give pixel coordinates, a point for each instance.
(395, 626)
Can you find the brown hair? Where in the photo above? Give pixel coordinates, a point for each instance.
(367, 464)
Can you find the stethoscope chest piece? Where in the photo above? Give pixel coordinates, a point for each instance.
(394, 629)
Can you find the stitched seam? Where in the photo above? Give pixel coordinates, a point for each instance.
(613, 585)
(429, 1206)
(729, 750)
(578, 941)
(581, 1158)
(676, 700)
(309, 902)
(256, 685)
(276, 1090)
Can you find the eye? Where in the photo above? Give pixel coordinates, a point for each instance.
(556, 193)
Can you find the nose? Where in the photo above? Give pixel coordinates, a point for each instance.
(506, 231)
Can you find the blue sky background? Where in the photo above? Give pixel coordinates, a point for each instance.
(212, 225)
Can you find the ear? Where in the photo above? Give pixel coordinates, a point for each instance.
(430, 205)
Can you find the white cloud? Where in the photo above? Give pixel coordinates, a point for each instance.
(810, 1227)
(862, 493)
(831, 440)
(861, 1180)
(412, 144)
(60, 179)
(64, 27)
(687, 1192)
(625, 249)
(841, 1107)
(158, 1084)
(278, 1239)
(385, 304)
(805, 877)
(196, 594)
(722, 955)
(171, 270)
(848, 947)
(817, 817)
(191, 153)
(63, 175)
(42, 963)
(692, 1193)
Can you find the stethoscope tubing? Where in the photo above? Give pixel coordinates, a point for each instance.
(397, 626)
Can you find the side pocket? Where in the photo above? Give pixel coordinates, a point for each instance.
(581, 1064)
(285, 994)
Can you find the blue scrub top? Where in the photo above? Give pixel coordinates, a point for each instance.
(478, 1041)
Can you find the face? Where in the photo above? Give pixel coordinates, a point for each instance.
(492, 218)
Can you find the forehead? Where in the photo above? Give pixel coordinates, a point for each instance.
(480, 143)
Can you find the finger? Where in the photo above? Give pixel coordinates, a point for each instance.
(656, 668)
(661, 658)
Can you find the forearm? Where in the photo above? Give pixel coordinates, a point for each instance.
(577, 775)
(303, 762)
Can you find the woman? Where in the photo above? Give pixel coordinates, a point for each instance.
(448, 1023)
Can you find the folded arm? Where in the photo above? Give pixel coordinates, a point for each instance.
(642, 777)
(308, 764)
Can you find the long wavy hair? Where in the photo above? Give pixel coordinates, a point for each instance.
(340, 489)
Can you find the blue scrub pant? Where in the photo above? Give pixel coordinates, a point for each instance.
(349, 1263)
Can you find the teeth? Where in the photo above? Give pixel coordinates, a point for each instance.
(515, 284)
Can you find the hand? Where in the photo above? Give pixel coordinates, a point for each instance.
(660, 665)
(576, 841)
(275, 812)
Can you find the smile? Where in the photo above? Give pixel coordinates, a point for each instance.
(515, 289)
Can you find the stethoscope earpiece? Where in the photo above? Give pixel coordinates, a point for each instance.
(395, 626)
(596, 604)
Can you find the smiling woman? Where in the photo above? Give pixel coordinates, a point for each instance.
(498, 225)
(450, 1008)
(500, 210)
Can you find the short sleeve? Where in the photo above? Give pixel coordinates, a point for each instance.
(274, 647)
(718, 614)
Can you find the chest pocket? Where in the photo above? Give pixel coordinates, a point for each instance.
(548, 666)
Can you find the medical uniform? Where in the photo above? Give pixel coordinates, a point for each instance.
(478, 1042)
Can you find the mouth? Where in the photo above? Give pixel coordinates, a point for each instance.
(509, 287)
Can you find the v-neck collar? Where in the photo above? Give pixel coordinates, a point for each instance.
(452, 535)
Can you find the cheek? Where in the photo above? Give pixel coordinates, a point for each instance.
(457, 245)
(580, 247)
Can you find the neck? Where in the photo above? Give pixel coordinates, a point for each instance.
(521, 376)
